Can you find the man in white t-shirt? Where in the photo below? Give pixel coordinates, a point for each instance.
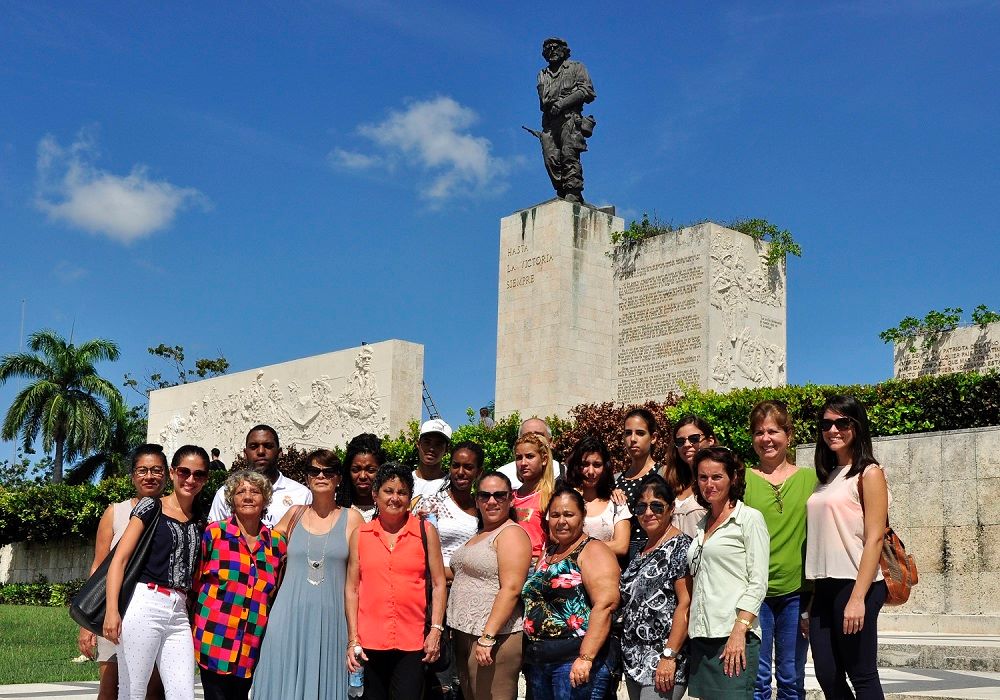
(541, 429)
(428, 477)
(261, 452)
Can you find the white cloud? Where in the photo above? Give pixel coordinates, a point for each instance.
(432, 136)
(68, 272)
(125, 208)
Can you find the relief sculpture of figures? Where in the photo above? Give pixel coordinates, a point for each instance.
(564, 87)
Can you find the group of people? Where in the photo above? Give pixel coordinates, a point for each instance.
(687, 573)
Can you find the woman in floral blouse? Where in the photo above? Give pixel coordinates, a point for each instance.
(239, 563)
(656, 596)
(568, 602)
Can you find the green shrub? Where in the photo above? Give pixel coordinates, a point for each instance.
(41, 592)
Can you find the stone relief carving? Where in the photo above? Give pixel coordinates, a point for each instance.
(733, 288)
(310, 418)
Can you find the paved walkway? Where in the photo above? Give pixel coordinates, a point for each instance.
(899, 684)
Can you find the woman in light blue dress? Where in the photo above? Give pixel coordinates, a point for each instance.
(302, 656)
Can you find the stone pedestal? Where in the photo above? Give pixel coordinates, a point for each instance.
(579, 322)
(318, 401)
(555, 316)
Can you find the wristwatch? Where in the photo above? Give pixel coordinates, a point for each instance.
(668, 653)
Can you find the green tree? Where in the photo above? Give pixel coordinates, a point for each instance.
(126, 430)
(66, 400)
(173, 355)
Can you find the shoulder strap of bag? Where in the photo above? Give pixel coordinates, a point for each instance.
(428, 591)
(296, 517)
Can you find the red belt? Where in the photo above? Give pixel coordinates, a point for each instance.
(161, 589)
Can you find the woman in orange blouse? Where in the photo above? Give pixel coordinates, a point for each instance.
(386, 595)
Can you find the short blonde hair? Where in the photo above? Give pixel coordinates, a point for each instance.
(255, 479)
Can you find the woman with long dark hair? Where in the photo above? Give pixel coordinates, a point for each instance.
(847, 517)
(361, 462)
(589, 471)
(641, 433)
(155, 628)
(691, 433)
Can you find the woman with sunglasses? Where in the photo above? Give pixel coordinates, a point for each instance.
(155, 628)
(149, 476)
(656, 597)
(728, 559)
(391, 615)
(847, 517)
(641, 440)
(484, 606)
(691, 434)
(779, 490)
(300, 658)
(361, 462)
(588, 470)
(237, 574)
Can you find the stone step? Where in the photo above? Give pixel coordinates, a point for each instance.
(936, 651)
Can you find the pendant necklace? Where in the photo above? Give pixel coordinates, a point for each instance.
(315, 573)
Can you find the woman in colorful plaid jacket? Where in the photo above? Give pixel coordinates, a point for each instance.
(235, 579)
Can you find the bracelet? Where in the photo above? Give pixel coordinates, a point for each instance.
(586, 657)
(486, 642)
(744, 622)
(439, 628)
(489, 637)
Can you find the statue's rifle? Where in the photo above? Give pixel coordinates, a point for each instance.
(536, 134)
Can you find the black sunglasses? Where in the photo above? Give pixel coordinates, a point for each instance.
(842, 423)
(328, 472)
(693, 439)
(498, 496)
(184, 473)
(658, 507)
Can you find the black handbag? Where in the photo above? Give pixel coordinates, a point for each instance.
(89, 605)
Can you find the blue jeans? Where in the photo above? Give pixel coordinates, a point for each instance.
(779, 630)
(551, 681)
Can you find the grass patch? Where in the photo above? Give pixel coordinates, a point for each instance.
(37, 645)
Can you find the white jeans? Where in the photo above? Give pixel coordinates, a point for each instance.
(155, 629)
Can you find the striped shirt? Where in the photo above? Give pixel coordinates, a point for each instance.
(233, 585)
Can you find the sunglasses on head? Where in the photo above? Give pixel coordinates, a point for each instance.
(693, 439)
(327, 472)
(658, 508)
(825, 424)
(498, 496)
(198, 475)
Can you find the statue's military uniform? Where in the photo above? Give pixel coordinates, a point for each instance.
(564, 134)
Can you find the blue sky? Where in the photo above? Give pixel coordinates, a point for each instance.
(276, 180)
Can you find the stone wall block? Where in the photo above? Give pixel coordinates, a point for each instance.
(958, 455)
(927, 597)
(894, 455)
(961, 550)
(926, 544)
(989, 540)
(925, 457)
(964, 593)
(988, 454)
(988, 497)
(960, 502)
(925, 504)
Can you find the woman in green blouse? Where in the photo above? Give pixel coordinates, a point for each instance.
(779, 490)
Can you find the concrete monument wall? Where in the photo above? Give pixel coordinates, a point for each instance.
(576, 325)
(318, 401)
(698, 306)
(58, 561)
(944, 488)
(965, 349)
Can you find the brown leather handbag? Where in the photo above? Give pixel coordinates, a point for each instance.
(898, 568)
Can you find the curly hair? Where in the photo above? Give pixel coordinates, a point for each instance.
(248, 476)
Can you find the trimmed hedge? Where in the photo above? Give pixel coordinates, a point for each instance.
(895, 407)
(42, 592)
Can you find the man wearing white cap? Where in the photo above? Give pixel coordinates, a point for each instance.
(428, 477)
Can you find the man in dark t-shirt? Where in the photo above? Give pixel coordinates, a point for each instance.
(216, 463)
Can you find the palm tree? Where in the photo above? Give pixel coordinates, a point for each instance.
(126, 430)
(65, 402)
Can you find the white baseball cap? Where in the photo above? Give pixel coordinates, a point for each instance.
(435, 425)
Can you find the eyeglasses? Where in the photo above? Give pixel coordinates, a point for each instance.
(146, 471)
(328, 472)
(658, 507)
(184, 473)
(693, 439)
(498, 496)
(825, 424)
(696, 559)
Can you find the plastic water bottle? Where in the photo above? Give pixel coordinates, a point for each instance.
(356, 681)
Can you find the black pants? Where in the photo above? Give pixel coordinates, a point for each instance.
(838, 656)
(395, 675)
(219, 686)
